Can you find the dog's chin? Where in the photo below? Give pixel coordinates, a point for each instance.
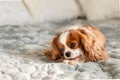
(74, 58)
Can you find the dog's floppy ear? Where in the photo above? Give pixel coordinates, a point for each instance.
(54, 53)
(93, 45)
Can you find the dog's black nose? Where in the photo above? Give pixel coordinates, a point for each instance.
(68, 54)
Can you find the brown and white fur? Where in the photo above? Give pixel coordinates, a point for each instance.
(81, 43)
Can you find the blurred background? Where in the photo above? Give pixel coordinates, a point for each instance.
(30, 11)
(13, 12)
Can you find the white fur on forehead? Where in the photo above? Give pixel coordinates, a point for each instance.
(63, 37)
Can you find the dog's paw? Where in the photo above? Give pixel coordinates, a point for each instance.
(66, 61)
(71, 62)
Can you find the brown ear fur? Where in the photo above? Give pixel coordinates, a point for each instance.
(53, 54)
(93, 46)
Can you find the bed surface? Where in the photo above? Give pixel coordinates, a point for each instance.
(22, 46)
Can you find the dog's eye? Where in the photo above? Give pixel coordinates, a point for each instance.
(72, 45)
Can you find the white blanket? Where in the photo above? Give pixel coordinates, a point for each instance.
(22, 58)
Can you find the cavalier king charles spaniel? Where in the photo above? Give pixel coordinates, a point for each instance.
(78, 44)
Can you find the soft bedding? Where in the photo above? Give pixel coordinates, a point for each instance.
(22, 58)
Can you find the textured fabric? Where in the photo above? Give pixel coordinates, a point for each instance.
(21, 53)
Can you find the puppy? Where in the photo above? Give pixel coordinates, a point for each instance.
(78, 44)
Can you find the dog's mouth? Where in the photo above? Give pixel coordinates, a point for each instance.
(75, 57)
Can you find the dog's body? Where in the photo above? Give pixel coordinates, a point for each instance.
(76, 44)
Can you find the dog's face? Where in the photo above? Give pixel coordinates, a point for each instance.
(69, 44)
(82, 42)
